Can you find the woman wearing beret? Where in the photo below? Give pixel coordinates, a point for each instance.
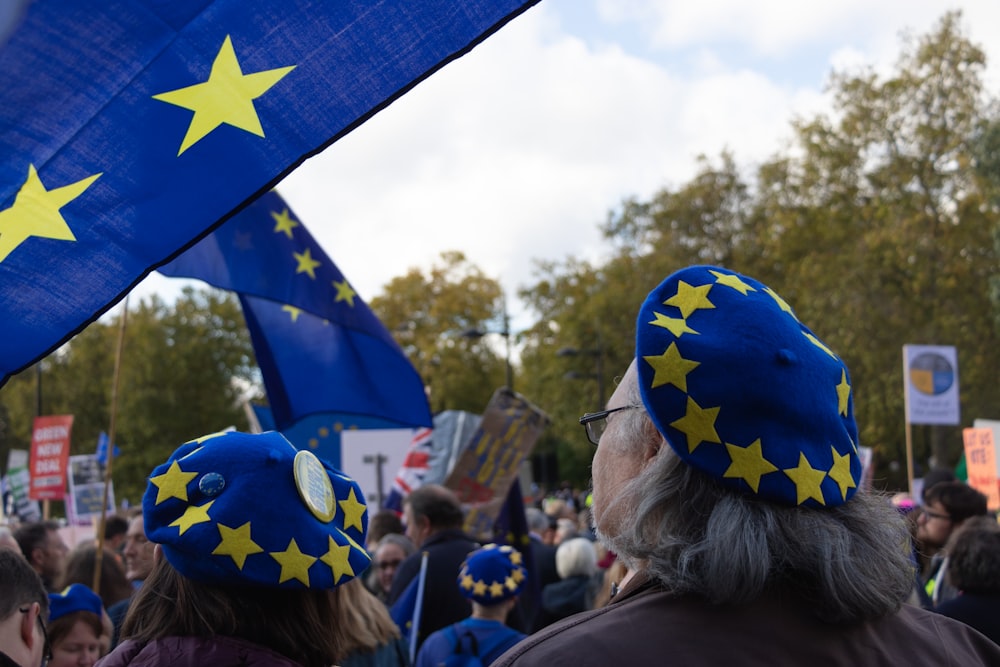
(251, 536)
(77, 633)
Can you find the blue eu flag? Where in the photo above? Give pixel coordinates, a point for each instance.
(129, 128)
(320, 348)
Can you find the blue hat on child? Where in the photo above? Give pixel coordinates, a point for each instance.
(237, 509)
(746, 393)
(76, 597)
(492, 574)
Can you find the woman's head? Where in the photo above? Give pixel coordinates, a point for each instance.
(392, 550)
(251, 534)
(75, 627)
(80, 570)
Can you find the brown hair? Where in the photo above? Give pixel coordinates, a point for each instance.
(62, 626)
(80, 570)
(367, 624)
(303, 625)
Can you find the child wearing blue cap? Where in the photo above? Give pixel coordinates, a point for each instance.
(78, 635)
(491, 577)
(251, 537)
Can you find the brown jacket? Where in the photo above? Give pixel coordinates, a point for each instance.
(643, 625)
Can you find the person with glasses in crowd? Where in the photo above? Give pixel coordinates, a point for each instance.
(24, 605)
(388, 554)
(947, 505)
(727, 478)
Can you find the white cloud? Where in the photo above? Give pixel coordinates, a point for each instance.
(518, 150)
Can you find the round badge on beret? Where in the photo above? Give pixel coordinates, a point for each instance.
(744, 392)
(314, 486)
(236, 509)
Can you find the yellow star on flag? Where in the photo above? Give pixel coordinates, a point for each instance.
(338, 558)
(807, 480)
(818, 343)
(172, 484)
(283, 223)
(843, 393)
(306, 263)
(671, 368)
(353, 510)
(294, 563)
(293, 312)
(781, 302)
(227, 97)
(496, 589)
(193, 515)
(35, 212)
(840, 472)
(344, 293)
(732, 280)
(698, 424)
(748, 464)
(236, 544)
(689, 298)
(467, 582)
(479, 588)
(678, 326)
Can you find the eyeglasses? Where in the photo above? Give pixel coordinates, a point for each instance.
(597, 422)
(46, 647)
(935, 515)
(385, 565)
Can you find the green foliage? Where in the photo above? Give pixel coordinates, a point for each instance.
(185, 372)
(876, 226)
(428, 314)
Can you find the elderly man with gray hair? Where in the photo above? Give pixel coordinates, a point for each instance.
(727, 478)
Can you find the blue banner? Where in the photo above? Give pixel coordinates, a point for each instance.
(129, 128)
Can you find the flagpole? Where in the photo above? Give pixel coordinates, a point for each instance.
(418, 608)
(109, 454)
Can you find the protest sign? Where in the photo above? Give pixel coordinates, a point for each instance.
(981, 464)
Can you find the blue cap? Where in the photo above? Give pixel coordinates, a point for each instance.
(75, 597)
(236, 509)
(746, 393)
(492, 574)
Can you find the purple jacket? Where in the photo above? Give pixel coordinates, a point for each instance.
(194, 652)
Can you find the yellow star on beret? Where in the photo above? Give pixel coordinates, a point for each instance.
(172, 484)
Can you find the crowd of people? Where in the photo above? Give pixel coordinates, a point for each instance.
(726, 525)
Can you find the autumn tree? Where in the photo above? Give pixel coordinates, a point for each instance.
(185, 371)
(431, 314)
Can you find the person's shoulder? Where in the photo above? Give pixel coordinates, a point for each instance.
(953, 638)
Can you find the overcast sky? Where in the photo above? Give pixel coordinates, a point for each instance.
(517, 151)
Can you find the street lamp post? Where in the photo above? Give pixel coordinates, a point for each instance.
(505, 332)
(598, 374)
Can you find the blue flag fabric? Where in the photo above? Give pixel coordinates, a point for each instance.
(320, 348)
(102, 448)
(131, 127)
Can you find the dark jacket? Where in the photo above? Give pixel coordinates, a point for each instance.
(565, 598)
(443, 602)
(394, 654)
(644, 625)
(194, 652)
(978, 610)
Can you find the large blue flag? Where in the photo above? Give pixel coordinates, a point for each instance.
(128, 128)
(320, 348)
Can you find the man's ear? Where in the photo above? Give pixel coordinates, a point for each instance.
(28, 625)
(654, 441)
(37, 556)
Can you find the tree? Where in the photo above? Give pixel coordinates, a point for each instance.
(428, 314)
(185, 372)
(875, 225)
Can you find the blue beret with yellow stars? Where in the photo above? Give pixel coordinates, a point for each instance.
(492, 574)
(746, 393)
(239, 509)
(75, 597)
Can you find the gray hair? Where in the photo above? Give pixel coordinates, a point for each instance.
(538, 521)
(696, 537)
(401, 541)
(576, 556)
